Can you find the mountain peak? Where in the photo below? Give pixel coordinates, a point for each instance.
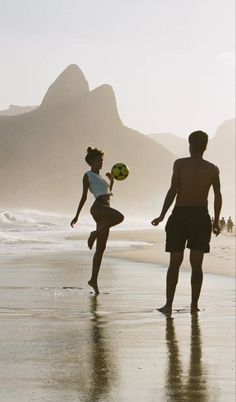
(68, 86)
(103, 101)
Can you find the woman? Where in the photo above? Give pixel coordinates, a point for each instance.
(104, 216)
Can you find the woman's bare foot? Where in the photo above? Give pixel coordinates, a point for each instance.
(94, 286)
(92, 239)
(167, 310)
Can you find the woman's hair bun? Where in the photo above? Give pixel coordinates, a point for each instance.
(92, 153)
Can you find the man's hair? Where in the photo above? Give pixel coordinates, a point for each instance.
(198, 141)
(92, 153)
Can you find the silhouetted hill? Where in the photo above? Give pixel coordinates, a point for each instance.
(220, 151)
(42, 152)
(68, 87)
(15, 110)
(176, 145)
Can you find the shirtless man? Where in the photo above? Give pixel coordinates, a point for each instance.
(190, 222)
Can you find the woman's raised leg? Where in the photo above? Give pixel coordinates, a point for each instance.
(107, 217)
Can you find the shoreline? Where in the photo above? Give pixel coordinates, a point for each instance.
(220, 260)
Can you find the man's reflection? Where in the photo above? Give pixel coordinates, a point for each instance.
(180, 387)
(101, 359)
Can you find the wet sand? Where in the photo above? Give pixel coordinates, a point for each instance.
(220, 260)
(60, 343)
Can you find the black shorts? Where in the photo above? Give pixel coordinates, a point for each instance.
(101, 201)
(191, 225)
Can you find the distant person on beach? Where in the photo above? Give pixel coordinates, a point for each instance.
(222, 223)
(229, 225)
(104, 216)
(190, 222)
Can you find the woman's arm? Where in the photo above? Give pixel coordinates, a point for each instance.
(82, 200)
(111, 178)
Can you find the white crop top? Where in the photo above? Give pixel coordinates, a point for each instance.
(97, 184)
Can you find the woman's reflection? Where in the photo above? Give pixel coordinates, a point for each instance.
(101, 360)
(179, 386)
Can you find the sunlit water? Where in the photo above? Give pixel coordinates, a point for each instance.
(31, 232)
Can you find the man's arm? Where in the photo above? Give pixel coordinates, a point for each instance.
(217, 203)
(170, 196)
(82, 200)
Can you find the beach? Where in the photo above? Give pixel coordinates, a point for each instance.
(220, 260)
(61, 343)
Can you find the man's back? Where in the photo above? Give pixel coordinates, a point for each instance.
(194, 177)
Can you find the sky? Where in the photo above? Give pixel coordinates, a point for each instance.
(171, 63)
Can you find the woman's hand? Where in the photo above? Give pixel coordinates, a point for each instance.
(110, 177)
(74, 221)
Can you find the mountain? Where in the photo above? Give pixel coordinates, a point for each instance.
(15, 110)
(68, 87)
(42, 152)
(220, 151)
(176, 145)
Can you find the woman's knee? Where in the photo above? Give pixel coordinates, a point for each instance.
(116, 218)
(119, 217)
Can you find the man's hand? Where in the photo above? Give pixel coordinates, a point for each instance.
(156, 221)
(216, 228)
(73, 222)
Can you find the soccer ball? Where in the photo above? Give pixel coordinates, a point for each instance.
(120, 171)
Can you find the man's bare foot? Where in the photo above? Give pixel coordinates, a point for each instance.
(194, 309)
(94, 286)
(167, 310)
(92, 239)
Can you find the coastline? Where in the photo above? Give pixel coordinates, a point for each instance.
(220, 260)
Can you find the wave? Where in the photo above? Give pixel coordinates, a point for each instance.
(6, 238)
(26, 231)
(27, 219)
(6, 217)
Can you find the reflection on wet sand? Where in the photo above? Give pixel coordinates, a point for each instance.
(179, 386)
(101, 357)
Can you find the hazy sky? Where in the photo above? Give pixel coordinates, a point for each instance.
(170, 62)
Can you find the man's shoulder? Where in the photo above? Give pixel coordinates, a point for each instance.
(181, 161)
(210, 165)
(187, 162)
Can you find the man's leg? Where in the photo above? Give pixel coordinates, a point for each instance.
(196, 258)
(176, 259)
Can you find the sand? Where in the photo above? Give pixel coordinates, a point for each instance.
(220, 260)
(61, 343)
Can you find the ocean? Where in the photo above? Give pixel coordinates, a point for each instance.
(26, 232)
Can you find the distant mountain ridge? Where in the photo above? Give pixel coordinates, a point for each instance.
(15, 110)
(42, 152)
(177, 145)
(220, 151)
